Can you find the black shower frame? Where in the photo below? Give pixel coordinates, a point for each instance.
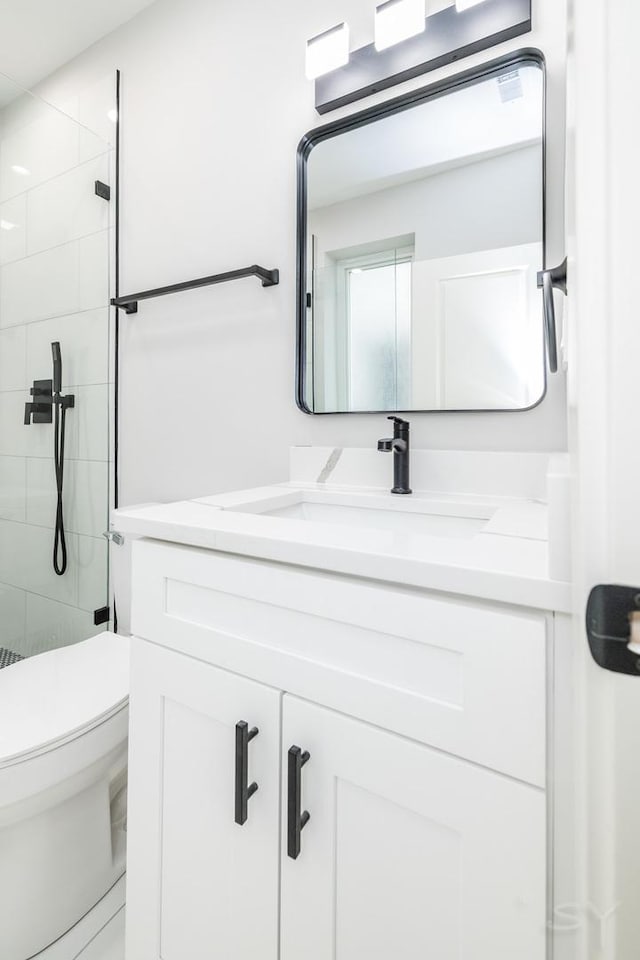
(116, 337)
(116, 373)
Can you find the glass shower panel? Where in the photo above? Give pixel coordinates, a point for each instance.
(55, 239)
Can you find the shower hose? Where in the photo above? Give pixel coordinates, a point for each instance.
(60, 406)
(59, 540)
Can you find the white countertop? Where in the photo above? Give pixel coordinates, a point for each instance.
(507, 562)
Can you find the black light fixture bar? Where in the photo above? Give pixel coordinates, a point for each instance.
(449, 36)
(269, 278)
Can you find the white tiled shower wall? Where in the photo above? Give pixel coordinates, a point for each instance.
(55, 237)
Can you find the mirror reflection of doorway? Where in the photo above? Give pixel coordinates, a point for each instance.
(378, 330)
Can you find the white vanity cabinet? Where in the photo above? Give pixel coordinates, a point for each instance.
(408, 852)
(199, 885)
(423, 719)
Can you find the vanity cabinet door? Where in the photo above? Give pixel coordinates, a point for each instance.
(201, 886)
(408, 852)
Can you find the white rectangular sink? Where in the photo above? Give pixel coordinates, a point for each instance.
(411, 515)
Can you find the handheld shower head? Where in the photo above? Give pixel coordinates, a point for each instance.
(57, 367)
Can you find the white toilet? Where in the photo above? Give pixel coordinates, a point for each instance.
(63, 774)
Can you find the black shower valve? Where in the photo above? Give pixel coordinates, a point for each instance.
(40, 410)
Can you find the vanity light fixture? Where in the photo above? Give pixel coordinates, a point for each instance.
(327, 51)
(397, 20)
(462, 5)
(446, 36)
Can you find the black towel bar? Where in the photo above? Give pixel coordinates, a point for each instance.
(269, 278)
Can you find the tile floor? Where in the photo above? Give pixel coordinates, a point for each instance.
(8, 657)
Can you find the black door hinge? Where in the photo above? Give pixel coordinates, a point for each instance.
(103, 615)
(103, 190)
(609, 627)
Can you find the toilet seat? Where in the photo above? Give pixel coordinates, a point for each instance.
(56, 697)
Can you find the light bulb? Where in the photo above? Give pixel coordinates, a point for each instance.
(467, 4)
(397, 20)
(328, 51)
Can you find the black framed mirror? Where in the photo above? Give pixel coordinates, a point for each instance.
(421, 230)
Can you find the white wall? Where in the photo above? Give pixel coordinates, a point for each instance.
(479, 206)
(214, 104)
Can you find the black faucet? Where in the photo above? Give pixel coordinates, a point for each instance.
(399, 446)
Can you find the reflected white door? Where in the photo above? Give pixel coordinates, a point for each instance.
(468, 356)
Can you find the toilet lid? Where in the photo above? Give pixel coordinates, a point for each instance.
(54, 695)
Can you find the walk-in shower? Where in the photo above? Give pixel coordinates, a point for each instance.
(56, 224)
(64, 679)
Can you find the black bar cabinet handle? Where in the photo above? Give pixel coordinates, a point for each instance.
(296, 819)
(244, 789)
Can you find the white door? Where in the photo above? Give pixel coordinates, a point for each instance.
(200, 885)
(604, 395)
(502, 348)
(408, 853)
